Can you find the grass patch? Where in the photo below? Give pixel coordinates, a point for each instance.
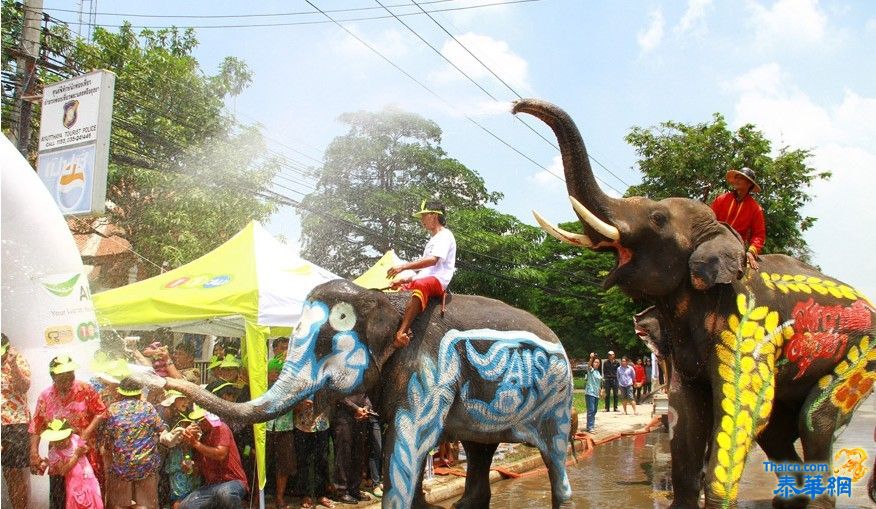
(578, 382)
(579, 403)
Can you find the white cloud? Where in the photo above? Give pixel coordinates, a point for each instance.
(870, 25)
(391, 43)
(494, 53)
(694, 17)
(788, 23)
(548, 179)
(651, 37)
(841, 138)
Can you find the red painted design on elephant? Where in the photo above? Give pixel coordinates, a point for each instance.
(822, 331)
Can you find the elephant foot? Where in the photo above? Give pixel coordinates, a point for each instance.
(803, 502)
(685, 504)
(472, 503)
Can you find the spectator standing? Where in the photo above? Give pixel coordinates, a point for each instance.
(131, 434)
(226, 369)
(311, 444)
(739, 209)
(15, 416)
(639, 380)
(609, 375)
(375, 453)
(80, 406)
(648, 373)
(349, 434)
(625, 379)
(66, 459)
(182, 365)
(592, 388)
(179, 465)
(217, 459)
(280, 441)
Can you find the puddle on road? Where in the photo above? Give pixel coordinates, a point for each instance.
(636, 472)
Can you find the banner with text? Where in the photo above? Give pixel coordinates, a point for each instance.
(74, 141)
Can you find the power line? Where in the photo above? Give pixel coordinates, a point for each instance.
(213, 16)
(446, 102)
(509, 87)
(297, 23)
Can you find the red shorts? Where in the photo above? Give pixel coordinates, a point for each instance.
(425, 288)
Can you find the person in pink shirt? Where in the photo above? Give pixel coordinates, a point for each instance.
(79, 404)
(67, 457)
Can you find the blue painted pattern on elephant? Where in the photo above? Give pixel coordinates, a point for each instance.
(347, 351)
(533, 380)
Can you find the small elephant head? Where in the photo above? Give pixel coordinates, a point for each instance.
(658, 245)
(344, 334)
(647, 325)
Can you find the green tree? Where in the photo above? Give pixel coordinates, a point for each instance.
(373, 178)
(183, 176)
(679, 159)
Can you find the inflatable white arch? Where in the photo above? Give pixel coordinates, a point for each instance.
(46, 301)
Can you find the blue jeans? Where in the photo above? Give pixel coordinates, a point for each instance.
(592, 407)
(229, 494)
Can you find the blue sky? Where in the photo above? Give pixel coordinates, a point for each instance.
(801, 70)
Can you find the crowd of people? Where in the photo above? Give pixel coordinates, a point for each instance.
(112, 444)
(616, 380)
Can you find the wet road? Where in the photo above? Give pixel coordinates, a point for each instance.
(636, 472)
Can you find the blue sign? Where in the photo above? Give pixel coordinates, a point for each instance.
(69, 176)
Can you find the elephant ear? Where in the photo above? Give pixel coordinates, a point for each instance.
(382, 320)
(718, 258)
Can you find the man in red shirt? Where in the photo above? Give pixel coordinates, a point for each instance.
(738, 209)
(80, 405)
(218, 462)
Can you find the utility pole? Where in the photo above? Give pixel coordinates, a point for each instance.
(26, 67)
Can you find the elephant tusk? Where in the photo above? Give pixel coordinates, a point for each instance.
(597, 224)
(575, 239)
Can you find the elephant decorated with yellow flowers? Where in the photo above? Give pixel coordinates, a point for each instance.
(763, 356)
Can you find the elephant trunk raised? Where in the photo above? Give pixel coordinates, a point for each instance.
(580, 180)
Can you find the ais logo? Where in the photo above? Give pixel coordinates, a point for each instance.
(200, 281)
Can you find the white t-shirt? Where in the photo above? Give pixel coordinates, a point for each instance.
(442, 245)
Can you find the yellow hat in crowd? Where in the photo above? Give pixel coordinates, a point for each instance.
(62, 364)
(58, 430)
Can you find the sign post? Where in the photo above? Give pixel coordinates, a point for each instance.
(74, 141)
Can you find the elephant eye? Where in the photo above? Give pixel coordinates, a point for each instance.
(342, 316)
(658, 218)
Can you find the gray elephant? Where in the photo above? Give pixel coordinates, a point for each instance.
(482, 373)
(764, 356)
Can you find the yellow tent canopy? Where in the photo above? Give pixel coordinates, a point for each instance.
(252, 287)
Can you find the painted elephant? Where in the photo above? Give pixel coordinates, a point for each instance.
(482, 373)
(768, 356)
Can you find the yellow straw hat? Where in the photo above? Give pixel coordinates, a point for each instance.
(58, 430)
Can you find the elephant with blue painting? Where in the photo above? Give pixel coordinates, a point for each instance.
(478, 371)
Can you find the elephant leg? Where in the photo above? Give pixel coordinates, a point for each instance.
(479, 457)
(554, 456)
(692, 407)
(777, 441)
(743, 389)
(829, 408)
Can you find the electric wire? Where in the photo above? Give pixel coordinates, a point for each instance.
(297, 23)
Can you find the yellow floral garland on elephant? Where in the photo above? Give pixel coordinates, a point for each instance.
(747, 354)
